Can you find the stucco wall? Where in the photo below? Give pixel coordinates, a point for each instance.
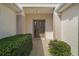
(48, 25)
(7, 22)
(20, 24)
(69, 27)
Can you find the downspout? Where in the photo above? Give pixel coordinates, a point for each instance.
(53, 23)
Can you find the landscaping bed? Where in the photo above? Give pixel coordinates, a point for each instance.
(17, 45)
(59, 48)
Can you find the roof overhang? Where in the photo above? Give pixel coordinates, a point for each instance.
(63, 7)
(13, 7)
(38, 10)
(38, 4)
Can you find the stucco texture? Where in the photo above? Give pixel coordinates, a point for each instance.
(69, 27)
(7, 21)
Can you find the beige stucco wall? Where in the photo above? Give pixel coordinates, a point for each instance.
(7, 22)
(69, 27)
(20, 19)
(48, 25)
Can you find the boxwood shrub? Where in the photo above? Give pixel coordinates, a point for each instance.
(59, 48)
(17, 45)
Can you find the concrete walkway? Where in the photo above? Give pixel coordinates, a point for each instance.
(40, 47)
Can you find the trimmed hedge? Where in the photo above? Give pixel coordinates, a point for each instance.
(59, 48)
(17, 45)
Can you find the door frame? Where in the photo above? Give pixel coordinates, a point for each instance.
(33, 26)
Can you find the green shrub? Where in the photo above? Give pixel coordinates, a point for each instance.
(59, 48)
(17, 45)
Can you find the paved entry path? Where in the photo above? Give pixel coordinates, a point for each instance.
(40, 47)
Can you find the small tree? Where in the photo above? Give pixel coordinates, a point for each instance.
(59, 48)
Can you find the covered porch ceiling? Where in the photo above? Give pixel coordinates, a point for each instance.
(38, 10)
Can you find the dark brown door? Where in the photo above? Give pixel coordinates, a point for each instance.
(39, 28)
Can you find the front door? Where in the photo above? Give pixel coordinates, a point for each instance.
(39, 28)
